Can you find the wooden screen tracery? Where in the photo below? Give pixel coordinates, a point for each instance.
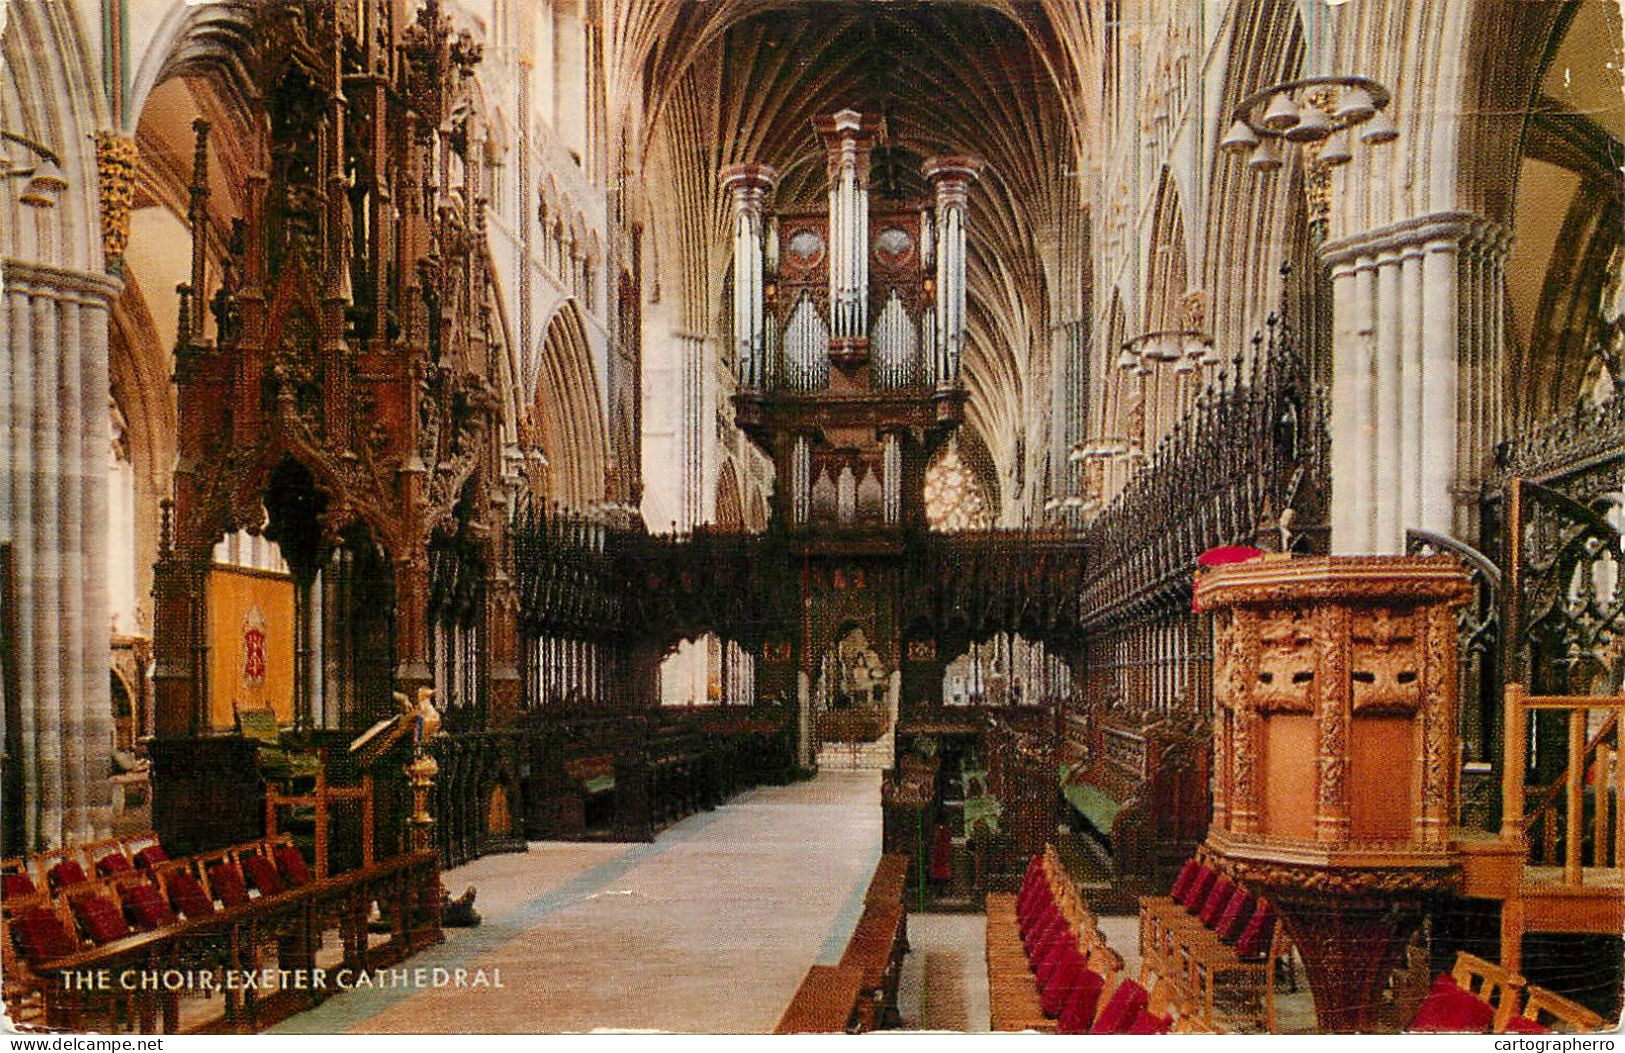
(345, 400)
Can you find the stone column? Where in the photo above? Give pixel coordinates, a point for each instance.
(54, 478)
(952, 177)
(1413, 349)
(847, 136)
(750, 185)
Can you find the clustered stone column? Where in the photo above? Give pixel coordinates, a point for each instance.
(1407, 366)
(54, 436)
(952, 177)
(750, 185)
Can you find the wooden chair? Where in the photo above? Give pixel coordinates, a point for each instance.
(1491, 984)
(16, 881)
(1556, 1013)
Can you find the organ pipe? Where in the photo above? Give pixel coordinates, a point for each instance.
(750, 185)
(951, 177)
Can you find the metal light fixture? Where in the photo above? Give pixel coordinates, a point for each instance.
(1266, 158)
(1313, 125)
(1322, 109)
(1186, 347)
(1355, 107)
(1239, 139)
(1379, 130)
(44, 175)
(1281, 114)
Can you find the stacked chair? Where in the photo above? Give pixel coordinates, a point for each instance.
(1478, 997)
(1051, 970)
(1218, 944)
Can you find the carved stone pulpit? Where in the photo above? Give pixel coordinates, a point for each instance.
(1334, 746)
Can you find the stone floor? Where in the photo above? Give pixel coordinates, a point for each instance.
(708, 929)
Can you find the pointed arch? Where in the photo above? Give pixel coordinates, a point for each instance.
(568, 423)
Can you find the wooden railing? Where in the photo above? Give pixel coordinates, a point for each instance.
(1560, 810)
(219, 962)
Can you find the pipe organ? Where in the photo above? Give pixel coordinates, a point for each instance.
(849, 326)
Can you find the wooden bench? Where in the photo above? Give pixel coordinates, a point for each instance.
(825, 1003)
(876, 949)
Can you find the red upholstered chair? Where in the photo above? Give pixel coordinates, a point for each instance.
(1187, 874)
(292, 866)
(1079, 1011)
(114, 864)
(1217, 899)
(151, 856)
(146, 908)
(261, 874)
(1063, 981)
(1447, 1008)
(186, 895)
(16, 883)
(1149, 1023)
(1040, 928)
(1196, 893)
(1120, 1009)
(1237, 913)
(227, 883)
(66, 874)
(41, 936)
(1055, 952)
(1254, 942)
(1520, 1025)
(99, 917)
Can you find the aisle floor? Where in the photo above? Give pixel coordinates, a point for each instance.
(708, 929)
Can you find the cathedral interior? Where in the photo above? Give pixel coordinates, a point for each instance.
(1086, 516)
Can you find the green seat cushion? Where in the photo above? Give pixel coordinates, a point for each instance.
(1094, 804)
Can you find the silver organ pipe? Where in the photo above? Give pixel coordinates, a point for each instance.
(951, 176)
(801, 480)
(750, 186)
(893, 346)
(806, 348)
(892, 477)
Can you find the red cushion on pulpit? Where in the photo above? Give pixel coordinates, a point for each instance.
(1254, 942)
(101, 921)
(1217, 900)
(1079, 1011)
(1200, 886)
(1120, 1010)
(292, 865)
(1147, 1023)
(261, 874)
(151, 856)
(1522, 1025)
(146, 909)
(1448, 1008)
(66, 874)
(1237, 913)
(41, 936)
(227, 884)
(1187, 874)
(1218, 557)
(17, 884)
(187, 896)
